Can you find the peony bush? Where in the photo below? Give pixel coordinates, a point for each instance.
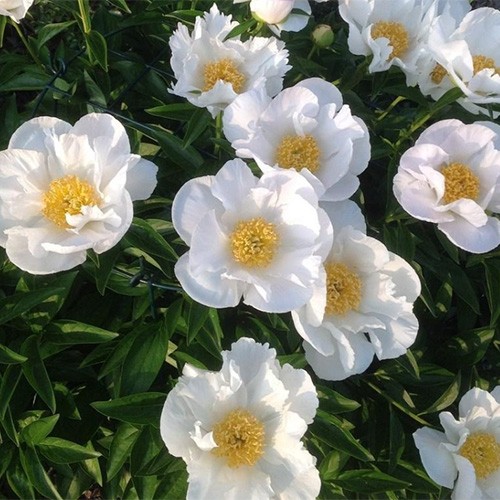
(249, 249)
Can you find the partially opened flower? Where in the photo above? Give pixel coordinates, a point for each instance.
(212, 71)
(394, 33)
(464, 54)
(278, 13)
(466, 457)
(239, 429)
(66, 189)
(263, 239)
(362, 304)
(452, 177)
(15, 9)
(305, 127)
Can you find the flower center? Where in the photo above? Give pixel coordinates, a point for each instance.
(240, 438)
(225, 70)
(483, 452)
(67, 195)
(254, 242)
(482, 62)
(459, 182)
(298, 152)
(343, 289)
(396, 34)
(437, 74)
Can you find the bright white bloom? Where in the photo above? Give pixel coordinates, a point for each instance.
(66, 189)
(278, 13)
(466, 56)
(239, 429)
(263, 239)
(15, 9)
(452, 177)
(306, 128)
(469, 447)
(364, 290)
(211, 71)
(394, 32)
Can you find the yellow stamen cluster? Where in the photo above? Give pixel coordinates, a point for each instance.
(67, 195)
(437, 74)
(396, 34)
(225, 70)
(480, 62)
(343, 289)
(254, 242)
(240, 438)
(298, 152)
(459, 182)
(482, 450)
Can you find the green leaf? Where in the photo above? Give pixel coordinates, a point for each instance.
(10, 380)
(196, 316)
(38, 430)
(70, 332)
(145, 358)
(98, 48)
(37, 475)
(3, 23)
(197, 124)
(418, 479)
(492, 268)
(448, 397)
(62, 451)
(142, 408)
(468, 348)
(368, 481)
(49, 31)
(396, 440)
(14, 305)
(241, 28)
(123, 441)
(145, 451)
(328, 429)
(9, 357)
(121, 4)
(175, 111)
(333, 402)
(35, 372)
(19, 482)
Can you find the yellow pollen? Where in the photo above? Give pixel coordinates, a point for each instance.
(343, 289)
(483, 452)
(437, 74)
(254, 242)
(298, 152)
(67, 195)
(459, 182)
(482, 62)
(225, 70)
(396, 34)
(240, 438)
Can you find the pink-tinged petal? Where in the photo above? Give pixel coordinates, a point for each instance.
(193, 200)
(33, 133)
(207, 288)
(471, 238)
(437, 460)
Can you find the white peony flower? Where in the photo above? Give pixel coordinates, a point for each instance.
(362, 304)
(15, 9)
(305, 127)
(212, 71)
(239, 429)
(466, 457)
(460, 54)
(263, 239)
(394, 33)
(64, 190)
(281, 15)
(452, 177)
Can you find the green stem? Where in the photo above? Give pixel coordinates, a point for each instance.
(391, 107)
(26, 43)
(84, 14)
(218, 131)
